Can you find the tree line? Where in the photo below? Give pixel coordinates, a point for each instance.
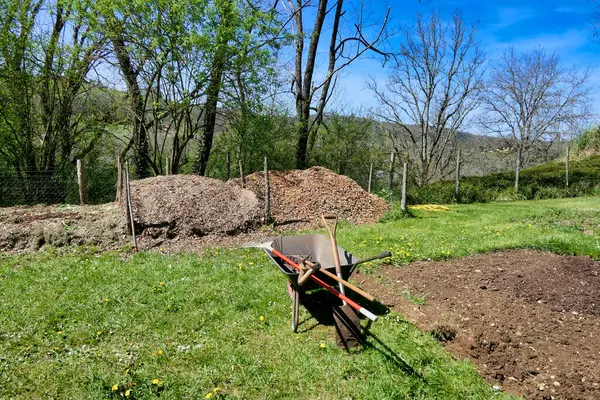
(188, 81)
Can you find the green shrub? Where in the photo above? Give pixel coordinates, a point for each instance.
(541, 182)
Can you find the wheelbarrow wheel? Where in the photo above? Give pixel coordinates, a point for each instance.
(295, 309)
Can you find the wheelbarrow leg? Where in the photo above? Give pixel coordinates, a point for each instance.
(295, 310)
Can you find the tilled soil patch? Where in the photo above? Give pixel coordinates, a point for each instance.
(529, 320)
(299, 197)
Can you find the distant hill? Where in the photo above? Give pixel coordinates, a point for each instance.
(484, 154)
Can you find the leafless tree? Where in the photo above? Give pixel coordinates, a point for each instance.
(532, 99)
(344, 47)
(433, 87)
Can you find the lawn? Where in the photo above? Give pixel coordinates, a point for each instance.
(78, 324)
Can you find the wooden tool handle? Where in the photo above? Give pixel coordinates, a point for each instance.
(305, 274)
(345, 283)
(331, 290)
(332, 232)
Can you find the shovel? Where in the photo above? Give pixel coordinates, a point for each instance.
(347, 322)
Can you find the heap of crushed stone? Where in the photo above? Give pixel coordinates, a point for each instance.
(299, 197)
(192, 205)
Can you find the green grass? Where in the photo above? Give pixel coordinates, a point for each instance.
(74, 324)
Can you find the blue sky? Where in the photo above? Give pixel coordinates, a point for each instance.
(559, 26)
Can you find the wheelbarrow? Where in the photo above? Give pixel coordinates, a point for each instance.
(289, 252)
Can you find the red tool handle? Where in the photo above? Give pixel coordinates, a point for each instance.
(337, 294)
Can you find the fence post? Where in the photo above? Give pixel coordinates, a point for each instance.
(227, 166)
(404, 179)
(128, 206)
(167, 166)
(370, 177)
(391, 177)
(241, 172)
(119, 178)
(457, 186)
(267, 195)
(81, 181)
(567, 166)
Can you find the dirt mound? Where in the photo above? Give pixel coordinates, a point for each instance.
(192, 205)
(25, 228)
(299, 197)
(527, 319)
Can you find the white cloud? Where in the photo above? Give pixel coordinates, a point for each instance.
(569, 40)
(506, 17)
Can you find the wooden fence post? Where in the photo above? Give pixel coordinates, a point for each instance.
(81, 181)
(119, 178)
(241, 172)
(404, 179)
(227, 166)
(457, 185)
(128, 206)
(267, 195)
(391, 177)
(370, 177)
(567, 166)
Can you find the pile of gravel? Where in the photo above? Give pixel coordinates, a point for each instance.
(299, 197)
(192, 205)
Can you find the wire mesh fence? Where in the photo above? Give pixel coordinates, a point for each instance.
(29, 187)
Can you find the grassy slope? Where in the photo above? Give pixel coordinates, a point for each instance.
(72, 326)
(544, 181)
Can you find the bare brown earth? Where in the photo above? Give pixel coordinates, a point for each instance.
(28, 228)
(529, 320)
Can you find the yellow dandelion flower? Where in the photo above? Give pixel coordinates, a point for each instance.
(216, 389)
(162, 284)
(208, 395)
(407, 254)
(250, 263)
(262, 318)
(127, 393)
(155, 381)
(160, 352)
(115, 387)
(322, 345)
(99, 333)
(59, 332)
(153, 354)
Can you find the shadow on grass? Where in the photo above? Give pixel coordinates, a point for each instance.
(320, 305)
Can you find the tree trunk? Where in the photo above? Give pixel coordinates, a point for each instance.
(304, 83)
(518, 168)
(214, 87)
(210, 113)
(136, 104)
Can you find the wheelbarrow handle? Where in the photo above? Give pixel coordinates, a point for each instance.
(385, 254)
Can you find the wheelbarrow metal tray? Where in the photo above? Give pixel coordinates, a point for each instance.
(315, 248)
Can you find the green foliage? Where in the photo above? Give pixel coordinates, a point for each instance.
(541, 182)
(588, 142)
